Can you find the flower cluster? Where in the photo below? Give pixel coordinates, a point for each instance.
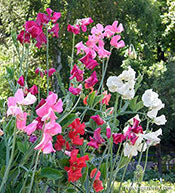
(150, 99)
(97, 185)
(123, 84)
(34, 29)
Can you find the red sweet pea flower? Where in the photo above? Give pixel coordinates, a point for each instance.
(76, 129)
(91, 81)
(97, 119)
(60, 142)
(93, 172)
(106, 98)
(55, 30)
(98, 186)
(21, 81)
(76, 165)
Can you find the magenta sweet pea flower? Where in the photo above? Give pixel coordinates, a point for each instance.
(74, 29)
(42, 18)
(77, 73)
(118, 138)
(108, 132)
(51, 71)
(55, 17)
(85, 22)
(116, 43)
(75, 91)
(33, 90)
(49, 11)
(21, 81)
(39, 71)
(91, 81)
(97, 119)
(97, 140)
(41, 39)
(23, 37)
(55, 30)
(33, 138)
(88, 61)
(33, 28)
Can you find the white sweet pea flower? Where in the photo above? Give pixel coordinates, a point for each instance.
(152, 137)
(114, 83)
(128, 75)
(132, 150)
(150, 98)
(161, 120)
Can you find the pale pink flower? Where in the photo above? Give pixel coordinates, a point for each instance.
(110, 30)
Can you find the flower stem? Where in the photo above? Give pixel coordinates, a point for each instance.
(47, 61)
(33, 175)
(10, 161)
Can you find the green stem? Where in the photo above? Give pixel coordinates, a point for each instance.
(27, 64)
(4, 180)
(47, 61)
(33, 175)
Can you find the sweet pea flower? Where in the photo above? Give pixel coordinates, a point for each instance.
(97, 140)
(97, 119)
(108, 132)
(33, 90)
(85, 22)
(49, 11)
(116, 43)
(23, 37)
(29, 129)
(110, 30)
(21, 81)
(33, 138)
(74, 29)
(114, 83)
(91, 81)
(161, 120)
(75, 91)
(55, 30)
(118, 138)
(42, 18)
(55, 17)
(77, 73)
(51, 71)
(39, 71)
(88, 61)
(106, 98)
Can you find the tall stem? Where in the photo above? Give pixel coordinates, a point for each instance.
(4, 180)
(33, 175)
(47, 60)
(27, 64)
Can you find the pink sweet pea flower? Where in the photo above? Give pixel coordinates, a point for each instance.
(85, 22)
(118, 138)
(80, 47)
(55, 30)
(52, 128)
(55, 17)
(88, 61)
(116, 43)
(77, 73)
(21, 81)
(33, 90)
(102, 53)
(110, 30)
(97, 119)
(29, 129)
(51, 102)
(51, 71)
(21, 121)
(98, 31)
(97, 140)
(108, 132)
(33, 28)
(74, 29)
(23, 37)
(91, 81)
(75, 91)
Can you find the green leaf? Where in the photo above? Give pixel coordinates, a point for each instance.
(98, 99)
(70, 190)
(139, 106)
(22, 147)
(51, 173)
(68, 120)
(103, 170)
(91, 98)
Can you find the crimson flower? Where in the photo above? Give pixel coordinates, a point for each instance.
(76, 165)
(21, 81)
(77, 73)
(60, 142)
(33, 90)
(97, 185)
(97, 119)
(74, 29)
(77, 129)
(91, 81)
(23, 37)
(118, 138)
(51, 71)
(75, 91)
